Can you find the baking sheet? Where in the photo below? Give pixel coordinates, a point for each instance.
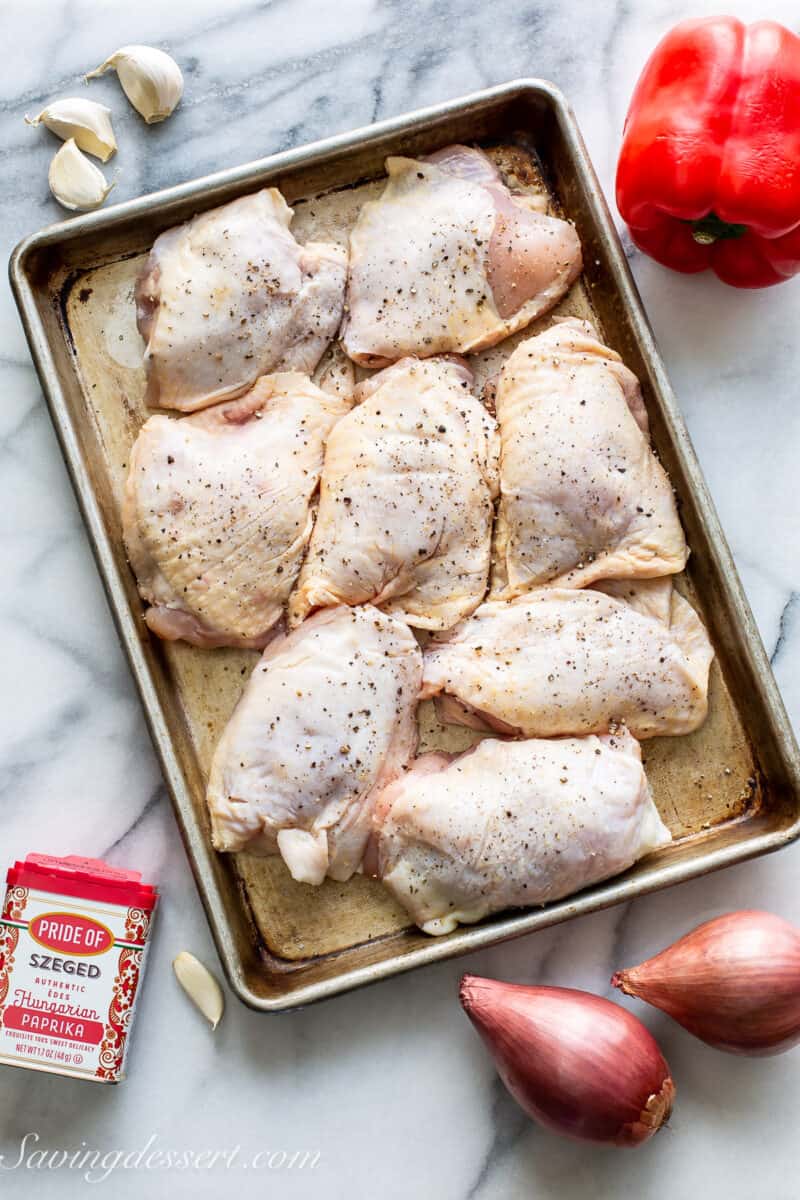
(729, 791)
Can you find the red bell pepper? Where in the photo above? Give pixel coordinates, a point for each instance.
(709, 172)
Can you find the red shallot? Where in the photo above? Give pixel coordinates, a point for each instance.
(575, 1062)
(734, 982)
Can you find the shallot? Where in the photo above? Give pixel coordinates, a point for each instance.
(575, 1062)
(734, 982)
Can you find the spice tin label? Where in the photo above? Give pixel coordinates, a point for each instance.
(70, 968)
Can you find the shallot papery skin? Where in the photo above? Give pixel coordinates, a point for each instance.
(576, 1063)
(734, 982)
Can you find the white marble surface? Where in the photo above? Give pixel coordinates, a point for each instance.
(389, 1085)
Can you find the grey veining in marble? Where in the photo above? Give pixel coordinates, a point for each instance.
(390, 1085)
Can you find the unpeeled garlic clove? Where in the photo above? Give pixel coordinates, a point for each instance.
(75, 181)
(86, 121)
(200, 986)
(150, 79)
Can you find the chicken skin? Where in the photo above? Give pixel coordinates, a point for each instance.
(217, 510)
(558, 661)
(448, 260)
(405, 509)
(327, 717)
(230, 296)
(582, 496)
(510, 825)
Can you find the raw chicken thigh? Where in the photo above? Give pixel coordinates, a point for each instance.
(559, 661)
(326, 718)
(217, 510)
(511, 824)
(449, 260)
(583, 497)
(230, 296)
(405, 510)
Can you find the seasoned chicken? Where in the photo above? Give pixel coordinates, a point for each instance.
(583, 497)
(650, 597)
(230, 296)
(559, 661)
(511, 824)
(326, 718)
(217, 510)
(405, 509)
(449, 260)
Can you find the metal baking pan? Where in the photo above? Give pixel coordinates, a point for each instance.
(728, 792)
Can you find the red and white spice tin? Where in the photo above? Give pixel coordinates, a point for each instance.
(73, 941)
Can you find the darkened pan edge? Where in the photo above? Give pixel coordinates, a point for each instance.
(218, 891)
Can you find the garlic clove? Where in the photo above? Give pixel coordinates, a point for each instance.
(75, 181)
(200, 986)
(150, 78)
(86, 121)
(578, 1064)
(734, 982)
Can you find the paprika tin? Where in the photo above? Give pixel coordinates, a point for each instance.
(73, 942)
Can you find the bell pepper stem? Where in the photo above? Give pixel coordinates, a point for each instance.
(710, 229)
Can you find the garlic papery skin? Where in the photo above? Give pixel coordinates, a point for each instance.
(576, 1063)
(75, 181)
(86, 121)
(200, 986)
(150, 79)
(734, 982)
